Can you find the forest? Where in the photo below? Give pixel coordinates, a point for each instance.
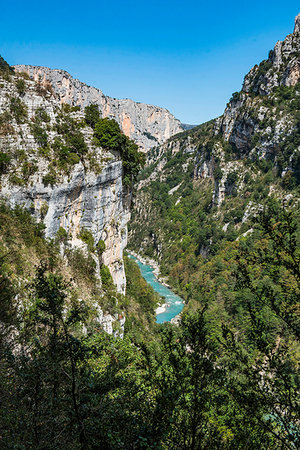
(225, 378)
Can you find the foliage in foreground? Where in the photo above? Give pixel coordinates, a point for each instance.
(228, 383)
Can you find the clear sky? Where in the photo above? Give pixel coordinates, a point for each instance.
(188, 56)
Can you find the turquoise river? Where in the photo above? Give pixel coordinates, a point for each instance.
(175, 303)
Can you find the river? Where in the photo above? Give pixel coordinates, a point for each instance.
(174, 302)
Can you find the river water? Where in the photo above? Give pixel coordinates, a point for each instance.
(175, 303)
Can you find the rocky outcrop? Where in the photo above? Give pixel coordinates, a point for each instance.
(147, 125)
(82, 198)
(249, 114)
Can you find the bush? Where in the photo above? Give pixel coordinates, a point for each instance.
(76, 143)
(41, 115)
(108, 134)
(21, 86)
(106, 277)
(100, 247)
(4, 162)
(49, 178)
(18, 109)
(62, 235)
(92, 115)
(83, 266)
(5, 68)
(40, 135)
(87, 237)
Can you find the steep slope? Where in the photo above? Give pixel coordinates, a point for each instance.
(202, 187)
(51, 166)
(146, 124)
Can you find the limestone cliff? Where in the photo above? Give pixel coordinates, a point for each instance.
(261, 115)
(86, 193)
(147, 125)
(202, 185)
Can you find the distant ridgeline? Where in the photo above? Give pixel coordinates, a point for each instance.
(216, 205)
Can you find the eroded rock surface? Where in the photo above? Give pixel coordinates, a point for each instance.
(147, 125)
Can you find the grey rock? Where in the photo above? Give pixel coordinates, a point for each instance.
(147, 125)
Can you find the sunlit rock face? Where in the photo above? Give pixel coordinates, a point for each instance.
(246, 113)
(147, 125)
(82, 199)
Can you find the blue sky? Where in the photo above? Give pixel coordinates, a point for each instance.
(186, 56)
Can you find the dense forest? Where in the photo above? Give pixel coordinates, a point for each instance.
(225, 378)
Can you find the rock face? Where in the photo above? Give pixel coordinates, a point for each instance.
(147, 125)
(227, 166)
(247, 113)
(83, 198)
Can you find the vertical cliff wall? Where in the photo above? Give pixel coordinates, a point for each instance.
(147, 125)
(62, 189)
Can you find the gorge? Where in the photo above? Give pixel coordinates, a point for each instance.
(85, 361)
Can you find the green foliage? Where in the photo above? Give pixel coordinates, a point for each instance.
(70, 147)
(40, 135)
(106, 277)
(108, 135)
(50, 178)
(91, 115)
(41, 115)
(225, 378)
(87, 237)
(21, 86)
(5, 67)
(62, 235)
(4, 162)
(138, 289)
(18, 109)
(83, 266)
(235, 97)
(100, 247)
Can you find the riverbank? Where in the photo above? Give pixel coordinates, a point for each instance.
(153, 264)
(170, 310)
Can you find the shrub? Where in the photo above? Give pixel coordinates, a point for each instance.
(106, 277)
(21, 86)
(87, 237)
(76, 143)
(4, 162)
(40, 135)
(44, 209)
(41, 115)
(217, 172)
(83, 266)
(92, 115)
(18, 109)
(49, 178)
(100, 247)
(108, 134)
(5, 69)
(62, 235)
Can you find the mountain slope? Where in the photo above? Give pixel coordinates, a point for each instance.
(147, 125)
(201, 188)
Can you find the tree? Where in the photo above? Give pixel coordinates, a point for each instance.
(91, 115)
(109, 136)
(264, 381)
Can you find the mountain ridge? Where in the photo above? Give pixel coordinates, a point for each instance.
(147, 124)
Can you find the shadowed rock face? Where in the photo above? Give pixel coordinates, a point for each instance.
(147, 125)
